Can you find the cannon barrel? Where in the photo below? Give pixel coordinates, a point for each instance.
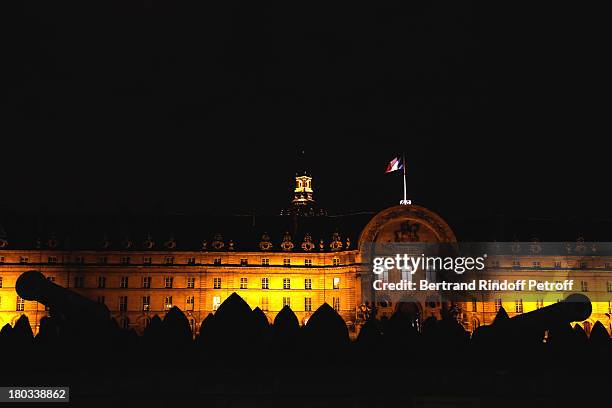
(575, 307)
(32, 285)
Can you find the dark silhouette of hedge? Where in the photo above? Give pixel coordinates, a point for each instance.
(238, 349)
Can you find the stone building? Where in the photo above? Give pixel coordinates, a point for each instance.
(140, 266)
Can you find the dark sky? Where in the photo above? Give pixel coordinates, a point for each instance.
(205, 106)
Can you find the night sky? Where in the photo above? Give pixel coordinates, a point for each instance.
(205, 107)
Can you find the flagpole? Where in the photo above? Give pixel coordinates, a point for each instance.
(404, 169)
(405, 200)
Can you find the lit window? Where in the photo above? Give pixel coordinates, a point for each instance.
(52, 259)
(518, 306)
(124, 260)
(169, 260)
(190, 283)
(191, 261)
(539, 303)
(608, 285)
(336, 303)
(0, 281)
(1, 259)
(430, 275)
(244, 262)
(308, 304)
(146, 282)
(124, 282)
(168, 281)
(536, 264)
(216, 283)
(147, 260)
(264, 304)
(307, 262)
(146, 303)
(216, 302)
(189, 302)
(286, 301)
(308, 284)
(122, 303)
(20, 304)
(217, 261)
(287, 262)
(336, 261)
(518, 285)
(168, 302)
(286, 283)
(78, 281)
(498, 305)
(265, 261)
(101, 282)
(474, 305)
(336, 283)
(557, 264)
(265, 283)
(24, 259)
(243, 283)
(584, 286)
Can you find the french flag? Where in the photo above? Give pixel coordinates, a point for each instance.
(395, 164)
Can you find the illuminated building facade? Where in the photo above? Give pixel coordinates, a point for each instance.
(300, 258)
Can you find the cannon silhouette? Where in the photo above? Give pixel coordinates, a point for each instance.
(32, 285)
(575, 307)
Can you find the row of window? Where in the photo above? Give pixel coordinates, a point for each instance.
(265, 303)
(124, 282)
(146, 303)
(265, 283)
(556, 264)
(189, 303)
(169, 260)
(79, 282)
(518, 305)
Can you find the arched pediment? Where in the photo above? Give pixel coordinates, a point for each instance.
(406, 223)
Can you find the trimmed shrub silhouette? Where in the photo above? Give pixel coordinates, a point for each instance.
(369, 341)
(203, 340)
(285, 331)
(175, 329)
(400, 332)
(599, 335)
(234, 329)
(262, 327)
(326, 335)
